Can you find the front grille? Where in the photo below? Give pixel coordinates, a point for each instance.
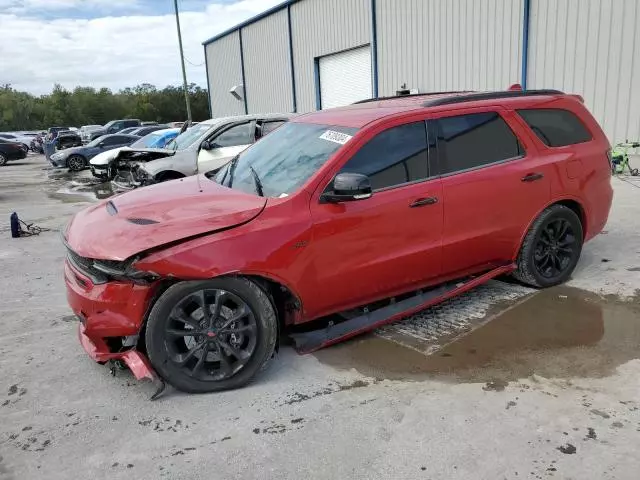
(85, 266)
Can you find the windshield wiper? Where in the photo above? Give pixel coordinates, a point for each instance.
(231, 171)
(257, 181)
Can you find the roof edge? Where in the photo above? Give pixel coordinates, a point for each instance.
(257, 18)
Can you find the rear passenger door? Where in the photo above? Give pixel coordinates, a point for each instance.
(493, 185)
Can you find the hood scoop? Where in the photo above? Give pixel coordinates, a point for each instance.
(142, 221)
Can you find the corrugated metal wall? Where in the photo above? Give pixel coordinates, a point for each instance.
(321, 27)
(437, 45)
(266, 64)
(225, 71)
(591, 47)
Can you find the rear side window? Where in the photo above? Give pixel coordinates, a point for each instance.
(556, 127)
(474, 140)
(393, 157)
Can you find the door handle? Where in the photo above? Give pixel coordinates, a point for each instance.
(532, 177)
(421, 202)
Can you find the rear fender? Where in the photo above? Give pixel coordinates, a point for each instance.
(523, 234)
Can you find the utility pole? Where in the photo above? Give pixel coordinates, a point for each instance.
(184, 71)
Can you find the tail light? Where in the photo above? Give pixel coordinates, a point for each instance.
(610, 159)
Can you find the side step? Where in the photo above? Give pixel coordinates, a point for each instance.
(308, 342)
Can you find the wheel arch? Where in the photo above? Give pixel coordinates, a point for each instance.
(571, 203)
(168, 175)
(286, 302)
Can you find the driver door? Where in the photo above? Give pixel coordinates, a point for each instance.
(370, 249)
(225, 145)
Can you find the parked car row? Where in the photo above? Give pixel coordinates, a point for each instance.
(338, 221)
(10, 150)
(202, 148)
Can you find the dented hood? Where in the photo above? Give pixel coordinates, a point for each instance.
(154, 216)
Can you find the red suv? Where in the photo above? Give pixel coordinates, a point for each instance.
(347, 218)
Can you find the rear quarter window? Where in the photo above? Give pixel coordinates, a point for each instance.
(556, 127)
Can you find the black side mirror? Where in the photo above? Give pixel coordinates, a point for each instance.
(209, 145)
(348, 187)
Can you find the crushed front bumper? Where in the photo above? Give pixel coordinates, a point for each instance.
(100, 171)
(108, 310)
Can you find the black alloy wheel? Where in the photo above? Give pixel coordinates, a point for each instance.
(555, 249)
(211, 335)
(551, 249)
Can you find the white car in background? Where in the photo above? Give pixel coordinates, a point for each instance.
(157, 139)
(204, 147)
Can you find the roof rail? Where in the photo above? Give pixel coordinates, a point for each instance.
(472, 97)
(411, 95)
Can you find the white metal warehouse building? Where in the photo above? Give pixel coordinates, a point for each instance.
(304, 55)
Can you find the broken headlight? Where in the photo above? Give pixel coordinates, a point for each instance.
(124, 271)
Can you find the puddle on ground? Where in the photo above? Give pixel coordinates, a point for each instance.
(558, 333)
(70, 187)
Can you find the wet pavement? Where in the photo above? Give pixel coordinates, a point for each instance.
(71, 187)
(562, 332)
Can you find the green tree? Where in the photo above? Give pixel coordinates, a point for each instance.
(87, 105)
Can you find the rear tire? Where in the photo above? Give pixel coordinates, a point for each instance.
(194, 347)
(3, 159)
(551, 248)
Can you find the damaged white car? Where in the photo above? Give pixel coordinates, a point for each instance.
(202, 148)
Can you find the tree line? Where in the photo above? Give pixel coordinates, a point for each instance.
(90, 106)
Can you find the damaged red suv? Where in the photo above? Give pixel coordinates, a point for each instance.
(341, 220)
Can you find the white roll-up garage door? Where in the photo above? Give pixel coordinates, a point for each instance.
(345, 77)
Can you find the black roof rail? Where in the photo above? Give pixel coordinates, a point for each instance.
(488, 96)
(411, 95)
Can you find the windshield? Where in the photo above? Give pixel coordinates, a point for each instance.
(96, 141)
(147, 141)
(188, 138)
(283, 160)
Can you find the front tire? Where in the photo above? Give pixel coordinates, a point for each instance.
(3, 160)
(551, 248)
(76, 163)
(211, 335)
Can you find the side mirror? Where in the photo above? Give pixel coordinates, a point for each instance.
(101, 145)
(209, 145)
(348, 187)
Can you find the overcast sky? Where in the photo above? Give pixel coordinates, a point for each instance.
(110, 43)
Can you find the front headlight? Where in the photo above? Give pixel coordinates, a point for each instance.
(56, 156)
(124, 271)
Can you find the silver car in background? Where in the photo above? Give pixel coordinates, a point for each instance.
(85, 132)
(202, 148)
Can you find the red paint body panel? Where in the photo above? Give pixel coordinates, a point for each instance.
(334, 257)
(181, 208)
(109, 310)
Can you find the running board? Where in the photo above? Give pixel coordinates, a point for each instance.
(308, 342)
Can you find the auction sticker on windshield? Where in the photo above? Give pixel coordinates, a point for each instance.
(336, 137)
